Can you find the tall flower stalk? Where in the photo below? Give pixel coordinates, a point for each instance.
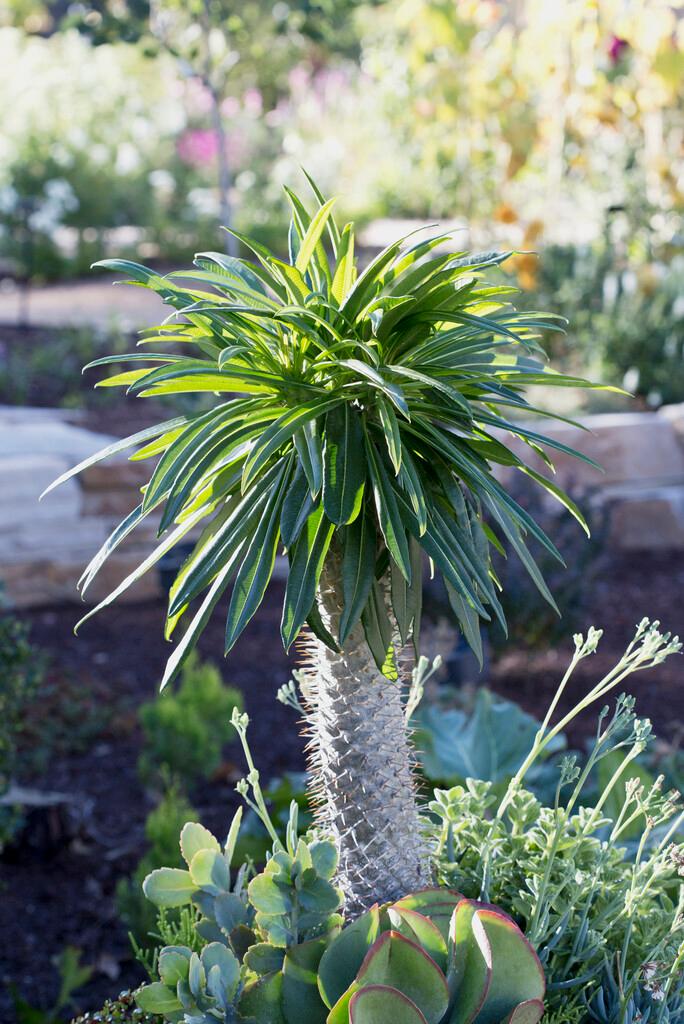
(357, 420)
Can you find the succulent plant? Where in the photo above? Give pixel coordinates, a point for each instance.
(200, 988)
(435, 958)
(432, 957)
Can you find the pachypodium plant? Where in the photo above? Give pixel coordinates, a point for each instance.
(276, 951)
(357, 421)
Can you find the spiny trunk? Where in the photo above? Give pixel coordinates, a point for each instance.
(361, 765)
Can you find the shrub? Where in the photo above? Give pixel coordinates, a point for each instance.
(603, 906)
(185, 731)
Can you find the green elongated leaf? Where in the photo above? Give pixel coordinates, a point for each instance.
(560, 496)
(313, 235)
(400, 602)
(233, 524)
(377, 628)
(344, 469)
(358, 570)
(224, 447)
(415, 591)
(345, 271)
(392, 391)
(181, 451)
(186, 645)
(233, 268)
(118, 446)
(389, 518)
(280, 432)
(307, 441)
(126, 526)
(390, 425)
(370, 281)
(317, 627)
(297, 507)
(438, 549)
(257, 566)
(409, 479)
(333, 230)
(512, 531)
(430, 381)
(469, 621)
(305, 570)
(174, 537)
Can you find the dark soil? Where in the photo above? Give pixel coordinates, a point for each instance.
(51, 898)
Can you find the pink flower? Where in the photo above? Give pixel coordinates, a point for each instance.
(253, 102)
(198, 147)
(616, 48)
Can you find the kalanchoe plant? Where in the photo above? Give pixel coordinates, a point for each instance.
(274, 950)
(357, 421)
(430, 958)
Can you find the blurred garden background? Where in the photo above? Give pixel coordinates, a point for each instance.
(136, 128)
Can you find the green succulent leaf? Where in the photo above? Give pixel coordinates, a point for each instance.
(345, 954)
(380, 1004)
(301, 998)
(401, 964)
(157, 998)
(169, 887)
(344, 464)
(195, 837)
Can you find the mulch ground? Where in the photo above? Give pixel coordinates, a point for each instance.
(53, 897)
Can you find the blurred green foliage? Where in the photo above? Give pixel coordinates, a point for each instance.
(185, 730)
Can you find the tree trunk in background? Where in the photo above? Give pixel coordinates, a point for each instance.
(361, 769)
(223, 181)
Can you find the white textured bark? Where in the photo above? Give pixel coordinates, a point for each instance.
(361, 765)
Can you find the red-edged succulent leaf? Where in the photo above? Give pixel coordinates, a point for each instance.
(345, 954)
(529, 1012)
(436, 904)
(494, 973)
(379, 1004)
(517, 975)
(395, 961)
(470, 963)
(422, 930)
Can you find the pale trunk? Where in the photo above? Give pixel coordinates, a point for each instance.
(361, 765)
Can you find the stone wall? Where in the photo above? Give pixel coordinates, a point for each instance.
(45, 545)
(642, 457)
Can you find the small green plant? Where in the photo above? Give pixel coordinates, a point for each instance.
(185, 731)
(72, 976)
(162, 828)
